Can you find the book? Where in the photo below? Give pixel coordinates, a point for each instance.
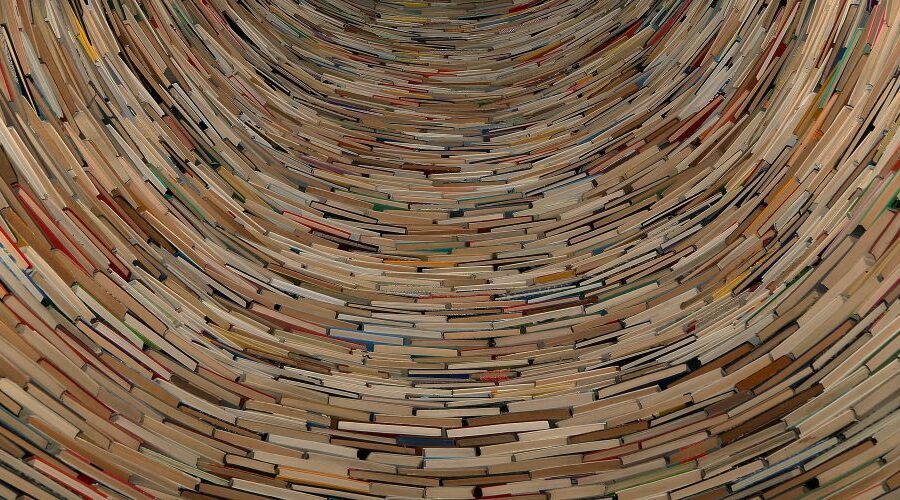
(434, 249)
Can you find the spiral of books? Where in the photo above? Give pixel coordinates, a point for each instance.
(449, 249)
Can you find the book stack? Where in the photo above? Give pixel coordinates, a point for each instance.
(530, 249)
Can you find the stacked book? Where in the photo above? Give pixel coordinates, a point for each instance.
(530, 249)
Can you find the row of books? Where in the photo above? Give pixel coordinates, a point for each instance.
(536, 249)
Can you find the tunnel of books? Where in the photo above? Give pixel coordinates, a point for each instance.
(450, 249)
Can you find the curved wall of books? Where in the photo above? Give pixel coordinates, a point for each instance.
(449, 249)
